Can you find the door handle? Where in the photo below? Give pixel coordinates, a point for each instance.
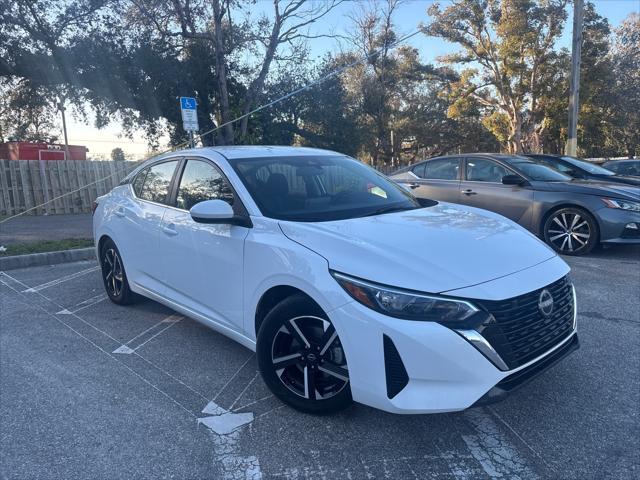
(468, 191)
(120, 212)
(170, 230)
(413, 186)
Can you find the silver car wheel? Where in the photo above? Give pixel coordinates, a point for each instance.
(308, 358)
(569, 232)
(113, 272)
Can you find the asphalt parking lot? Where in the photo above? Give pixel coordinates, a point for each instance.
(92, 390)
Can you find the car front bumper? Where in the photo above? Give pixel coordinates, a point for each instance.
(440, 369)
(614, 226)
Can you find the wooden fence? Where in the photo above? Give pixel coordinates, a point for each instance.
(26, 184)
(43, 187)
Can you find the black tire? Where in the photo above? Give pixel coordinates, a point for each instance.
(571, 231)
(114, 276)
(316, 379)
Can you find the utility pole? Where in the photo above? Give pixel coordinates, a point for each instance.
(64, 128)
(574, 83)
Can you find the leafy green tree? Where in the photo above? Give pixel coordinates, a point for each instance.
(596, 79)
(624, 130)
(509, 44)
(26, 112)
(117, 155)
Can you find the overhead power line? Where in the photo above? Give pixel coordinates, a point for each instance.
(318, 81)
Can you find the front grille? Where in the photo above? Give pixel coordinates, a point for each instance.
(518, 330)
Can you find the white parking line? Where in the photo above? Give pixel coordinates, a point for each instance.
(493, 450)
(225, 429)
(84, 304)
(60, 280)
(136, 374)
(127, 349)
(226, 443)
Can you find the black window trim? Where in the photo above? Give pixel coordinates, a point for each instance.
(448, 157)
(494, 160)
(238, 205)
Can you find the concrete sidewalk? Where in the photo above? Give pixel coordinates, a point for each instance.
(33, 228)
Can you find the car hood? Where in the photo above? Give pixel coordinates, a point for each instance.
(591, 187)
(435, 249)
(628, 179)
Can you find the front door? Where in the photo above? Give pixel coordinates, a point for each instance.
(203, 263)
(482, 187)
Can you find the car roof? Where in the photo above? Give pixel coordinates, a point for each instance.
(497, 156)
(542, 155)
(261, 151)
(624, 160)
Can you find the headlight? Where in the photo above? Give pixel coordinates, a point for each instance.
(405, 304)
(621, 204)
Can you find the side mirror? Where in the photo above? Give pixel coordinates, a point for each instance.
(513, 180)
(217, 212)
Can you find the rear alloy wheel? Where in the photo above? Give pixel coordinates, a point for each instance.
(114, 276)
(301, 358)
(571, 231)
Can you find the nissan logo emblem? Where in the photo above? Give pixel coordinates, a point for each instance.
(545, 302)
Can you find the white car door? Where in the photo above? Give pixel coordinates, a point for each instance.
(203, 263)
(137, 222)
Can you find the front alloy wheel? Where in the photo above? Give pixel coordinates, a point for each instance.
(571, 231)
(301, 357)
(308, 358)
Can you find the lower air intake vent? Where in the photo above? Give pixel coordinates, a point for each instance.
(394, 370)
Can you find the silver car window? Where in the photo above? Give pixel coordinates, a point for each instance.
(202, 181)
(483, 170)
(444, 169)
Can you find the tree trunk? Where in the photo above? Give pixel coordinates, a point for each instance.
(258, 83)
(221, 72)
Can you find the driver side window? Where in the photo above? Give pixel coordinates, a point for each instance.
(561, 167)
(484, 170)
(202, 181)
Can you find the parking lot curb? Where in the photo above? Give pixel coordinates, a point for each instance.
(47, 258)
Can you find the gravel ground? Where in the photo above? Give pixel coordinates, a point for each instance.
(72, 408)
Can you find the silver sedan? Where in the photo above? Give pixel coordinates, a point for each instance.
(572, 216)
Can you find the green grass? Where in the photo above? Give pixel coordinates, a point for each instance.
(46, 246)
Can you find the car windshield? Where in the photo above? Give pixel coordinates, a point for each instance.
(589, 167)
(542, 173)
(319, 188)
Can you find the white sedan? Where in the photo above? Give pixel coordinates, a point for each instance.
(345, 285)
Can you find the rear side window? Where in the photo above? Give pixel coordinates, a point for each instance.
(444, 169)
(202, 181)
(155, 186)
(138, 181)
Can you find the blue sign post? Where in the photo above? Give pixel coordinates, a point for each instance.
(188, 108)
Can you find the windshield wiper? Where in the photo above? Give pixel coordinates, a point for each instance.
(384, 210)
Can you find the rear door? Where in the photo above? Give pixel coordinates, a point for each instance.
(203, 263)
(137, 218)
(438, 179)
(482, 187)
